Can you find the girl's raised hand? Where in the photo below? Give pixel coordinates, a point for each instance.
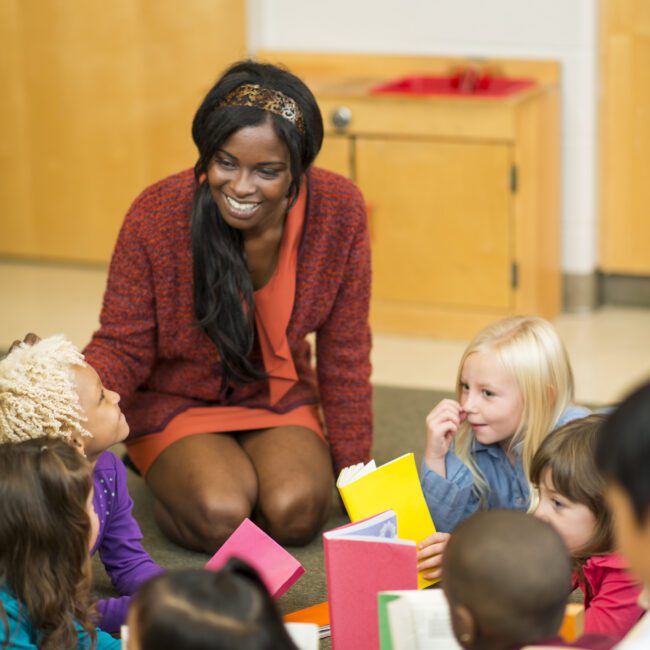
(442, 425)
(429, 556)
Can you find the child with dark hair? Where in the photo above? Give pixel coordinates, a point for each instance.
(623, 457)
(205, 610)
(47, 524)
(571, 497)
(507, 579)
(46, 388)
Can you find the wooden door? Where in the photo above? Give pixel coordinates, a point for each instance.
(625, 137)
(441, 222)
(98, 99)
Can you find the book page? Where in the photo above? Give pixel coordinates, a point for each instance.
(304, 635)
(431, 620)
(383, 525)
(401, 624)
(353, 472)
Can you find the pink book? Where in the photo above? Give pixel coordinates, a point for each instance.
(277, 567)
(362, 559)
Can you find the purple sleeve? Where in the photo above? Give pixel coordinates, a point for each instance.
(120, 548)
(112, 612)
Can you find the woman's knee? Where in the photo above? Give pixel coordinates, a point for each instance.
(294, 515)
(207, 521)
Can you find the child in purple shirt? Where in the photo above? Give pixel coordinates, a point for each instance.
(46, 388)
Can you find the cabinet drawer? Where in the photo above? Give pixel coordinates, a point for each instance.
(471, 118)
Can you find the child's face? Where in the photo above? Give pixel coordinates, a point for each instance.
(105, 420)
(575, 522)
(94, 520)
(491, 398)
(632, 538)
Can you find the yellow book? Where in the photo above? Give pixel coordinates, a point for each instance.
(367, 490)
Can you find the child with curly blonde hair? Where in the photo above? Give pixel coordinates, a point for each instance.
(47, 389)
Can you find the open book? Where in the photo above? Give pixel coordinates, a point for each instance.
(278, 569)
(415, 620)
(368, 489)
(362, 559)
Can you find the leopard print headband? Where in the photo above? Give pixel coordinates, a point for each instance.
(269, 100)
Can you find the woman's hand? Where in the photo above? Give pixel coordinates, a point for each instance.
(30, 339)
(429, 555)
(442, 425)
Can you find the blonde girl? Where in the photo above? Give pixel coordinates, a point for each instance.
(514, 386)
(47, 524)
(46, 388)
(571, 498)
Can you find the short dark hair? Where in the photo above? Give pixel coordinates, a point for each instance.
(512, 572)
(623, 450)
(197, 609)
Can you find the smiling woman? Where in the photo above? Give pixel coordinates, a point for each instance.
(216, 279)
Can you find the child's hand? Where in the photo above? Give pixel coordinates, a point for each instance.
(442, 425)
(429, 556)
(30, 339)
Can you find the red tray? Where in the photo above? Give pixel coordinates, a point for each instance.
(459, 84)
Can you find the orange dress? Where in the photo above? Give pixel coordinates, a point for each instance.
(273, 307)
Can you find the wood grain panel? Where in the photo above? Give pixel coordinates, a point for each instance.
(100, 102)
(441, 221)
(625, 137)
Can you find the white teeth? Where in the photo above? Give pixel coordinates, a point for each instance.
(241, 207)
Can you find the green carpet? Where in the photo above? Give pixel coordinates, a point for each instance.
(399, 428)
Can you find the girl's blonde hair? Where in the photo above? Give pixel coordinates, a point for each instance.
(530, 348)
(569, 453)
(38, 396)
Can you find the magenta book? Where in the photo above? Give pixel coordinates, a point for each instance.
(277, 567)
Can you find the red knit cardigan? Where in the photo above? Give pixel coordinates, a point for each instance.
(150, 350)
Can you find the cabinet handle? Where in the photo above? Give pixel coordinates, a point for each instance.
(341, 117)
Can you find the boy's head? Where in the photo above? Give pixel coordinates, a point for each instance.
(623, 456)
(507, 577)
(48, 389)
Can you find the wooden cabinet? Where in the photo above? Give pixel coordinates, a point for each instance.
(462, 193)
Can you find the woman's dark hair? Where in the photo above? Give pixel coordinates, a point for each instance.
(623, 450)
(45, 530)
(196, 609)
(223, 290)
(569, 455)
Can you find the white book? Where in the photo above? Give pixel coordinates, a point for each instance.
(418, 620)
(304, 635)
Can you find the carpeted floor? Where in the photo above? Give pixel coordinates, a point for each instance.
(399, 428)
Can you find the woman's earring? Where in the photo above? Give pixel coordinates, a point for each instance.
(465, 637)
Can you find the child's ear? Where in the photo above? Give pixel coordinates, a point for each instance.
(78, 444)
(464, 625)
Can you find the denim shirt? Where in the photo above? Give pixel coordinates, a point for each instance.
(453, 499)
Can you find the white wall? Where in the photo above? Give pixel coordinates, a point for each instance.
(564, 30)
